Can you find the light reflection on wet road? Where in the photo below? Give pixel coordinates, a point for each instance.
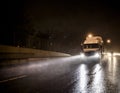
(82, 75)
(63, 76)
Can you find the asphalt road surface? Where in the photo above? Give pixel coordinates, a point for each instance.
(62, 75)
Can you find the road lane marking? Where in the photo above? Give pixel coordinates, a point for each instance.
(14, 78)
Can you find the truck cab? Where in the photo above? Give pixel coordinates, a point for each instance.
(93, 46)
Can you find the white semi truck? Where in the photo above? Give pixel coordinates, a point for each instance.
(92, 46)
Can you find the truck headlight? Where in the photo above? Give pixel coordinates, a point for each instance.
(82, 55)
(97, 55)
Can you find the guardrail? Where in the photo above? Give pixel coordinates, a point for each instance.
(10, 52)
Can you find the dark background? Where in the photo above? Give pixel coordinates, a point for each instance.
(60, 25)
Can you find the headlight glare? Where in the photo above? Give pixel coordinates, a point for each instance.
(97, 55)
(82, 55)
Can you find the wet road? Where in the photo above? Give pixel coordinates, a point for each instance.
(62, 75)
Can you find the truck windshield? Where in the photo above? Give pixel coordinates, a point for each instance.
(90, 46)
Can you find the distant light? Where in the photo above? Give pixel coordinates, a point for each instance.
(109, 54)
(116, 54)
(108, 41)
(90, 35)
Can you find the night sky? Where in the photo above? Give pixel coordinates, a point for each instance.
(67, 22)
